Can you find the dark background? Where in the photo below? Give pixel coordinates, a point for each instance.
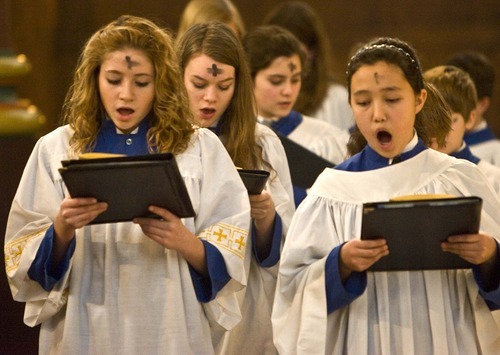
(52, 32)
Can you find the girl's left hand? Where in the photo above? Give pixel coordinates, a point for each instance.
(169, 231)
(172, 234)
(262, 206)
(474, 248)
(263, 212)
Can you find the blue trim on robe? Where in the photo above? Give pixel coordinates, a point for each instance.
(217, 129)
(42, 270)
(369, 159)
(339, 295)
(481, 136)
(274, 254)
(466, 154)
(285, 126)
(111, 142)
(206, 288)
(490, 295)
(299, 194)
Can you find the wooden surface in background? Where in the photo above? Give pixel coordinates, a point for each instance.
(52, 32)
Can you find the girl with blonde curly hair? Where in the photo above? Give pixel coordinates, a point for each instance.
(150, 285)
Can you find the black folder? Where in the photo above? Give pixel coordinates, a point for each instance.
(305, 166)
(254, 180)
(414, 230)
(129, 184)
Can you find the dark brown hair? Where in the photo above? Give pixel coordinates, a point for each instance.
(392, 51)
(303, 21)
(264, 44)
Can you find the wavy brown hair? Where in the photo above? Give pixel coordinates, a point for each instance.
(237, 126)
(171, 124)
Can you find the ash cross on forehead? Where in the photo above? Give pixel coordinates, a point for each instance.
(130, 63)
(375, 75)
(292, 66)
(214, 70)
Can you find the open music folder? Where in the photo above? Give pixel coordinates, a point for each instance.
(129, 184)
(305, 166)
(414, 230)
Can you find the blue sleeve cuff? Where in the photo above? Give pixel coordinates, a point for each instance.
(299, 194)
(42, 269)
(339, 295)
(206, 288)
(491, 294)
(274, 254)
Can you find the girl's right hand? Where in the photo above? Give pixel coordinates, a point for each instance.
(75, 213)
(358, 255)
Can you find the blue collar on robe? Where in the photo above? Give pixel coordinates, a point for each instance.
(369, 159)
(287, 124)
(481, 136)
(217, 129)
(109, 141)
(466, 154)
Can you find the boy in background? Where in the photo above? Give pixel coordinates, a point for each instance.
(482, 140)
(459, 92)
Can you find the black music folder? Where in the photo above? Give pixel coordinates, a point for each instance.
(414, 230)
(254, 180)
(129, 184)
(305, 166)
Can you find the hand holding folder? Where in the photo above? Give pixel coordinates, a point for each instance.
(129, 184)
(415, 228)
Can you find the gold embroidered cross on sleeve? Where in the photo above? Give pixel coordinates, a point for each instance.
(14, 249)
(228, 237)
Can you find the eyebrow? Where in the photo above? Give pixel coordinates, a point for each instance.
(299, 73)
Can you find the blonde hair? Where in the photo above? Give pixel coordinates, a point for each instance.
(457, 88)
(238, 123)
(201, 11)
(171, 124)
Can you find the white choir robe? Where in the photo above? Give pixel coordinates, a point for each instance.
(323, 139)
(335, 108)
(123, 292)
(489, 151)
(253, 335)
(492, 173)
(416, 312)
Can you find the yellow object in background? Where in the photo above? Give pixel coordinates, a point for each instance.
(17, 116)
